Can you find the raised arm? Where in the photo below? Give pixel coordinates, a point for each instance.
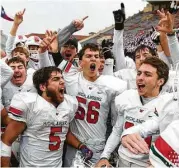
(64, 34)
(18, 19)
(118, 50)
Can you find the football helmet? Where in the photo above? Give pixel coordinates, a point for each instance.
(33, 40)
(79, 161)
(20, 39)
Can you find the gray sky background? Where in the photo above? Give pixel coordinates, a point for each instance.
(41, 15)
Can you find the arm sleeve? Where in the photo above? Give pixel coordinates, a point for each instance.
(18, 110)
(65, 33)
(10, 45)
(114, 138)
(174, 48)
(44, 60)
(145, 129)
(163, 57)
(118, 49)
(108, 67)
(6, 73)
(74, 107)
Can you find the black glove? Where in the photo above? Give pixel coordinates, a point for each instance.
(106, 49)
(174, 7)
(155, 36)
(119, 17)
(86, 152)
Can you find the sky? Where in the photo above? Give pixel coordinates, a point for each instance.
(42, 15)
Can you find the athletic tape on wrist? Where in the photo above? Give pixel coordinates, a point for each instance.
(5, 150)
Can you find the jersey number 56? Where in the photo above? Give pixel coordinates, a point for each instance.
(92, 114)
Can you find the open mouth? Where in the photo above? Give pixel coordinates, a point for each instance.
(61, 91)
(93, 67)
(17, 76)
(68, 55)
(140, 86)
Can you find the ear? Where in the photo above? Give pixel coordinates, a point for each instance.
(161, 82)
(43, 87)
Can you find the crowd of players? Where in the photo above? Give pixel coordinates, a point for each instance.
(59, 101)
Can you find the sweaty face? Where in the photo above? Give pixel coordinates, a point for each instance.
(147, 81)
(90, 64)
(68, 52)
(19, 76)
(55, 88)
(140, 56)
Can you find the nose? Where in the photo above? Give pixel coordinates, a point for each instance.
(142, 58)
(16, 70)
(62, 82)
(93, 58)
(140, 77)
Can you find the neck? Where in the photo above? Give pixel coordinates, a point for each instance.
(48, 99)
(91, 79)
(153, 94)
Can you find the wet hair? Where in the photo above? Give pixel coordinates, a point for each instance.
(42, 76)
(91, 46)
(161, 66)
(16, 60)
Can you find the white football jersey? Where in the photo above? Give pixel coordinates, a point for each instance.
(10, 89)
(42, 142)
(95, 99)
(131, 113)
(128, 75)
(165, 151)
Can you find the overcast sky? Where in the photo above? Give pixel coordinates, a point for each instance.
(41, 15)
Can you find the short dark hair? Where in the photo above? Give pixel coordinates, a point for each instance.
(42, 76)
(161, 66)
(16, 60)
(141, 47)
(91, 46)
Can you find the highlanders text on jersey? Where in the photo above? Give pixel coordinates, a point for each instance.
(42, 142)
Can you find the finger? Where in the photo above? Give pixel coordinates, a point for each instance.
(54, 37)
(143, 144)
(48, 33)
(130, 148)
(84, 18)
(138, 143)
(23, 11)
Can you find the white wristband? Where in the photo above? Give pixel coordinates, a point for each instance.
(5, 150)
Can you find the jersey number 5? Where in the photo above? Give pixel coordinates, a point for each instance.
(148, 140)
(92, 113)
(54, 139)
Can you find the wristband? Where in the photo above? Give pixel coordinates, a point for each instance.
(79, 145)
(5, 150)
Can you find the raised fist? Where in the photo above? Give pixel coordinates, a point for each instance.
(155, 36)
(174, 7)
(106, 49)
(119, 17)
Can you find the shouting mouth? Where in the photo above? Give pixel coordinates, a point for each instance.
(92, 67)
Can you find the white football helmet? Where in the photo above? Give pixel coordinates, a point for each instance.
(79, 161)
(33, 40)
(20, 39)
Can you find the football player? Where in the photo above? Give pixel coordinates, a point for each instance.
(135, 107)
(43, 119)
